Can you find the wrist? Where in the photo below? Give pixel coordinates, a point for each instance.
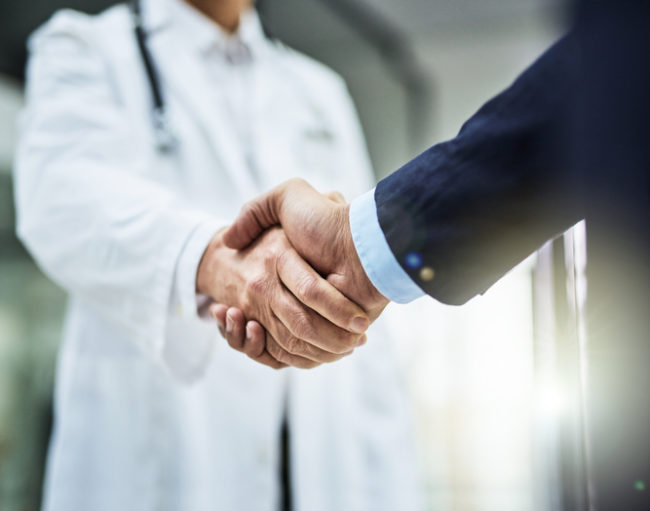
(208, 269)
(353, 265)
(351, 261)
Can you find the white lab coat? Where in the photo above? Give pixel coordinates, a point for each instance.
(153, 410)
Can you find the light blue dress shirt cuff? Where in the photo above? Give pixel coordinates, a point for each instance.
(377, 258)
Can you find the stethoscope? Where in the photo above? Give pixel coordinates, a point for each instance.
(164, 138)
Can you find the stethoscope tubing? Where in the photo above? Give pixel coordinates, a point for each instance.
(164, 138)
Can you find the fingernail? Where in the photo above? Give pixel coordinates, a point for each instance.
(249, 333)
(362, 341)
(230, 325)
(359, 325)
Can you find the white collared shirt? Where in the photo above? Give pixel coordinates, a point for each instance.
(229, 58)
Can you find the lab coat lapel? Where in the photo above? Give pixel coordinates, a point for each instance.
(183, 78)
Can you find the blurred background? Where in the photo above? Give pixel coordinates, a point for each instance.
(494, 385)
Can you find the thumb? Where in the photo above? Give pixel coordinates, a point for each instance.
(254, 218)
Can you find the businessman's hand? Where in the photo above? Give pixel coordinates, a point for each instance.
(307, 320)
(318, 228)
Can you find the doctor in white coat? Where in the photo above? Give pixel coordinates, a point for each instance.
(153, 410)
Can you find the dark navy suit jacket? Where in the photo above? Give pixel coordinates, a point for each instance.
(569, 140)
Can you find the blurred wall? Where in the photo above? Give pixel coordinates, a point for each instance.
(468, 50)
(31, 309)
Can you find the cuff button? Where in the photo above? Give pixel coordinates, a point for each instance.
(427, 274)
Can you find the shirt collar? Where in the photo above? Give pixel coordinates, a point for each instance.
(202, 33)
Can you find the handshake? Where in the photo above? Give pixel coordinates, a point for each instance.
(286, 281)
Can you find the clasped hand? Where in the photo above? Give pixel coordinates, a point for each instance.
(288, 286)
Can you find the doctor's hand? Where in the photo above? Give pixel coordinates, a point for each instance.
(307, 321)
(247, 337)
(318, 228)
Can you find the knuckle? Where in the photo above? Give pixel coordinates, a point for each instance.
(341, 348)
(283, 260)
(257, 285)
(309, 364)
(345, 310)
(249, 303)
(333, 357)
(302, 325)
(282, 357)
(271, 256)
(295, 346)
(249, 208)
(313, 355)
(278, 353)
(342, 342)
(302, 363)
(348, 340)
(308, 290)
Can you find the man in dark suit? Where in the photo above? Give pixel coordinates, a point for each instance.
(569, 140)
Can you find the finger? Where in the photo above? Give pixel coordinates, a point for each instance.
(255, 346)
(235, 328)
(255, 342)
(263, 212)
(254, 218)
(305, 350)
(336, 196)
(321, 296)
(362, 341)
(266, 359)
(281, 355)
(339, 281)
(218, 312)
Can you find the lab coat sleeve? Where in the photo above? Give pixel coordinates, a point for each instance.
(98, 228)
(186, 302)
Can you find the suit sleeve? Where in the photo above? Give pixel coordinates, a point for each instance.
(466, 211)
